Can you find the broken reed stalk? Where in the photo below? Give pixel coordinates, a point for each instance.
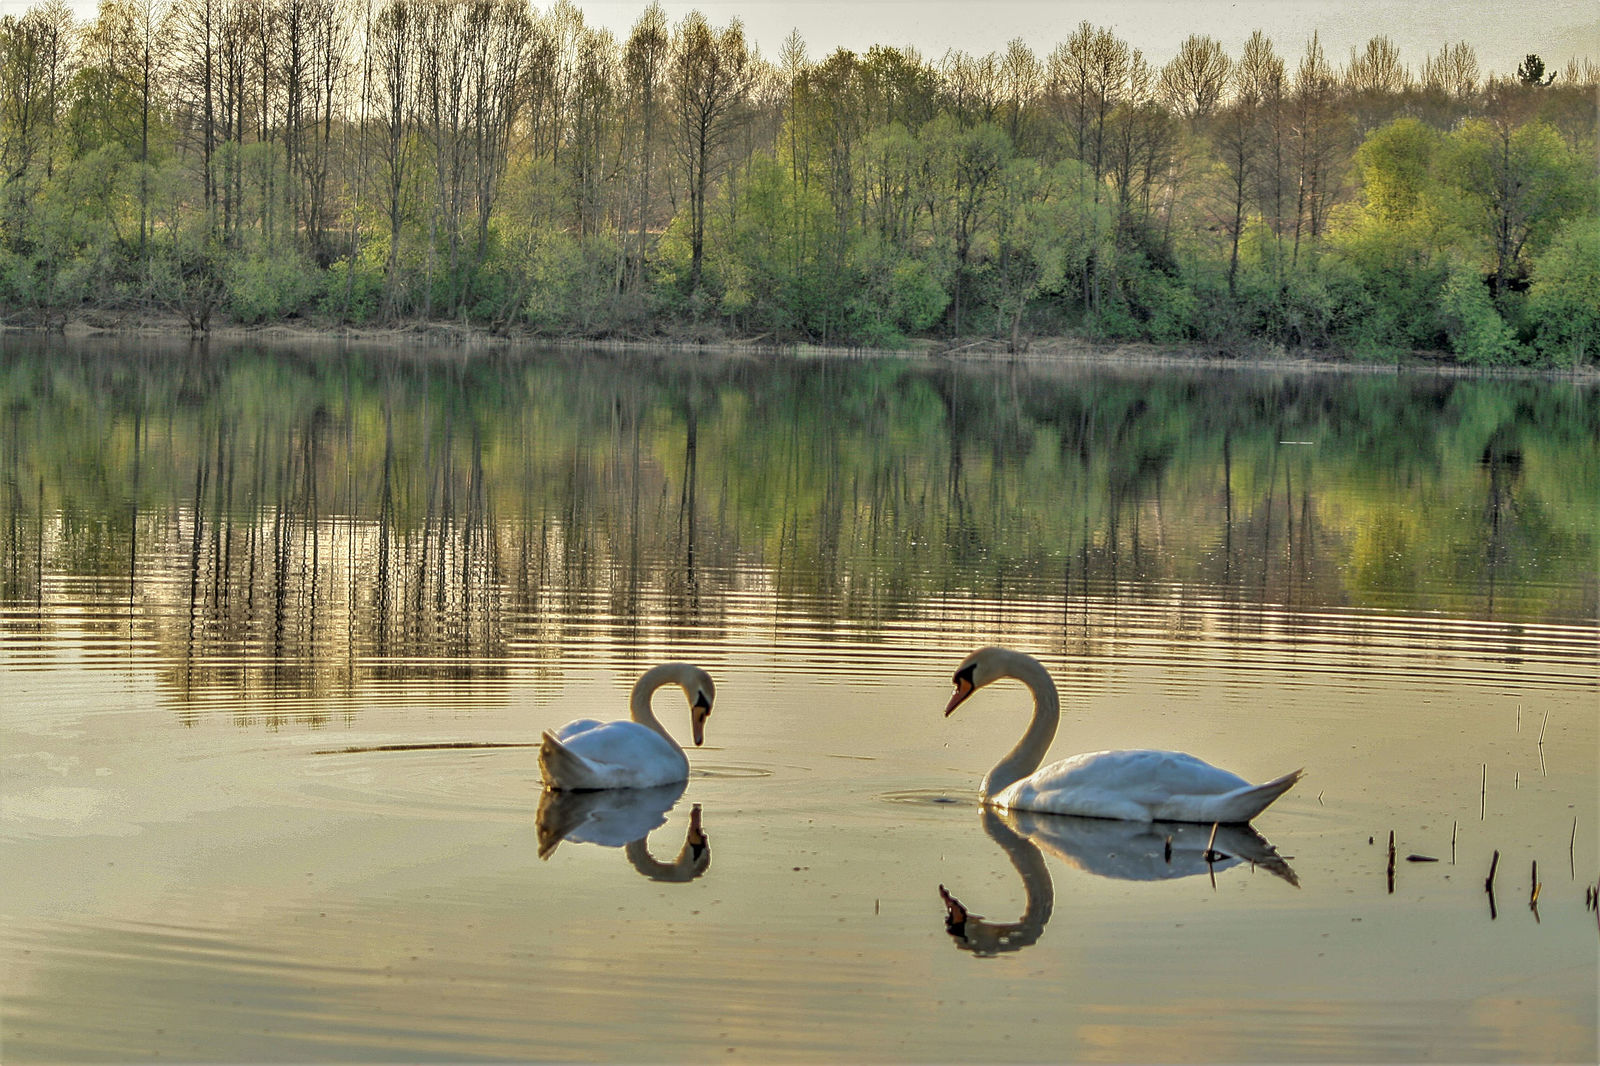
(1391, 862)
(1572, 844)
(1452, 842)
(1483, 793)
(1533, 880)
(1488, 884)
(1541, 727)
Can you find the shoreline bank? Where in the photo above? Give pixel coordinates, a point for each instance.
(456, 339)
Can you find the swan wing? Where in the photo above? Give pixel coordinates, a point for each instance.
(1141, 786)
(597, 755)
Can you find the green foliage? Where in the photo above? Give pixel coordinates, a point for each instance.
(1396, 165)
(1531, 71)
(1478, 335)
(896, 296)
(1564, 299)
(353, 290)
(1517, 186)
(856, 199)
(269, 285)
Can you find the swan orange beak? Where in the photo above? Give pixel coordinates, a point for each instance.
(964, 688)
(697, 716)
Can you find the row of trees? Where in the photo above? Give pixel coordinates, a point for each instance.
(482, 161)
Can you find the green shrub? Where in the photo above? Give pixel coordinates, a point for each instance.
(270, 286)
(353, 289)
(1564, 300)
(1478, 335)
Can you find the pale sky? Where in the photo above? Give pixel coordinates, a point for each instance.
(1502, 31)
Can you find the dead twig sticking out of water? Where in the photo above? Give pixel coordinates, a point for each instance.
(1483, 793)
(1488, 883)
(1452, 842)
(1212, 855)
(1533, 892)
(1572, 845)
(1541, 742)
(1391, 862)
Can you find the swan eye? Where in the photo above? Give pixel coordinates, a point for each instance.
(964, 674)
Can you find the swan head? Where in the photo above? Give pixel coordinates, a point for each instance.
(701, 692)
(983, 667)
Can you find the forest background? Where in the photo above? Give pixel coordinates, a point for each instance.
(511, 169)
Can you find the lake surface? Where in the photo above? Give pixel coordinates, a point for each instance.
(278, 626)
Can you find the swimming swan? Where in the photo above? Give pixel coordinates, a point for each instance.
(587, 754)
(1134, 786)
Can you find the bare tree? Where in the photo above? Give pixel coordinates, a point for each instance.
(709, 75)
(1088, 79)
(499, 35)
(1258, 75)
(1377, 69)
(1021, 84)
(971, 86)
(1452, 73)
(1193, 82)
(391, 51)
(1141, 139)
(644, 64)
(1318, 131)
(592, 112)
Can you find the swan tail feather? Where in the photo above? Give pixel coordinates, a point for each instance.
(562, 768)
(1244, 805)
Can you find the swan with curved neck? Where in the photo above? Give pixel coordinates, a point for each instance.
(1137, 786)
(634, 753)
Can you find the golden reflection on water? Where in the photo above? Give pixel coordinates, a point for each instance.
(242, 643)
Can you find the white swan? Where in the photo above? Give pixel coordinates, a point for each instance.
(587, 754)
(1135, 786)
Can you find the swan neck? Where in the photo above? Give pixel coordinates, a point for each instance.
(639, 702)
(1025, 758)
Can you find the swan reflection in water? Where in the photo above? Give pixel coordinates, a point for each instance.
(1126, 851)
(624, 818)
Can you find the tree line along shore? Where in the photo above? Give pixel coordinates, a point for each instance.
(509, 169)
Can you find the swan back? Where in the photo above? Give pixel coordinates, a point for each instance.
(1129, 785)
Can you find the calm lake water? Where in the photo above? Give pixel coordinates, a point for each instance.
(278, 626)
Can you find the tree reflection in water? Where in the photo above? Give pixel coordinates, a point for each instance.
(299, 523)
